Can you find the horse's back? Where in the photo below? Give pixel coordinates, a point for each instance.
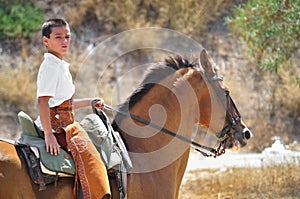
(16, 183)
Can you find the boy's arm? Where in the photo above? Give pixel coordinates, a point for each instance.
(85, 102)
(52, 145)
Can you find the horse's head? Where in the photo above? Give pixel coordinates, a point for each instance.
(232, 131)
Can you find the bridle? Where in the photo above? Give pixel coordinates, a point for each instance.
(232, 121)
(222, 136)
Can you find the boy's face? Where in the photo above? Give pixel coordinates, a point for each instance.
(59, 41)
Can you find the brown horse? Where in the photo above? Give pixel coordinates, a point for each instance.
(175, 95)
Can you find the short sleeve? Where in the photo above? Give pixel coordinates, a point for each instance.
(47, 81)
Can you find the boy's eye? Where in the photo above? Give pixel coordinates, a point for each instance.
(63, 37)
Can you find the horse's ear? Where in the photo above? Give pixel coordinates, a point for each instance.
(207, 63)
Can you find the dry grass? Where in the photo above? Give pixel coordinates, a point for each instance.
(18, 88)
(189, 16)
(276, 182)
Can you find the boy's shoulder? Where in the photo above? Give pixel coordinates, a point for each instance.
(48, 66)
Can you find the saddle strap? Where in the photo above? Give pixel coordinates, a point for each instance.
(121, 182)
(34, 167)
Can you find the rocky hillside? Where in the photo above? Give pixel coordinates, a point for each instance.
(98, 58)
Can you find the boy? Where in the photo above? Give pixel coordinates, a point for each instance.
(55, 91)
(54, 80)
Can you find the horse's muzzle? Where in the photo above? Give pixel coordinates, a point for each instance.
(243, 135)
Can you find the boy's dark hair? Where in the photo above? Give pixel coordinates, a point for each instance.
(51, 23)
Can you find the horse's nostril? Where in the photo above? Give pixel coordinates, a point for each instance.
(247, 134)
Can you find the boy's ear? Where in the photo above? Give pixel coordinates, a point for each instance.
(45, 41)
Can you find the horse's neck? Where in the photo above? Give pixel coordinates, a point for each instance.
(156, 155)
(166, 106)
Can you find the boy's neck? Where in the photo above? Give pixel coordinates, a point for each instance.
(60, 56)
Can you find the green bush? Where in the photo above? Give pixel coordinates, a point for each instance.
(19, 20)
(271, 29)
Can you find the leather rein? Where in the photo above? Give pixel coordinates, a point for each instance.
(222, 135)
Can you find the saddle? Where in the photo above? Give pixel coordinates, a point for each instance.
(45, 168)
(42, 167)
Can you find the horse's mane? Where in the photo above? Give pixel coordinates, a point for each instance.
(154, 74)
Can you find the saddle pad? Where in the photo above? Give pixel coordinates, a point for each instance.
(62, 163)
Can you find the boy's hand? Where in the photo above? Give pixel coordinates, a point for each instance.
(52, 145)
(99, 103)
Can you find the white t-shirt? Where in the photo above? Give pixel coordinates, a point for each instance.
(54, 80)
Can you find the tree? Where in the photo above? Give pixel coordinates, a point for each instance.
(271, 29)
(19, 20)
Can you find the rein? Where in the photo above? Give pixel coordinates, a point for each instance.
(222, 135)
(210, 151)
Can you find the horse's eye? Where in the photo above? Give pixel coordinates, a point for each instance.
(227, 92)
